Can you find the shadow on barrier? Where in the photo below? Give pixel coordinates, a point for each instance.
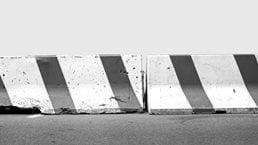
(17, 110)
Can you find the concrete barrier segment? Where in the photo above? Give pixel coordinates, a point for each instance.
(73, 84)
(202, 84)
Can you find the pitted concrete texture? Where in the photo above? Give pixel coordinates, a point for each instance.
(73, 84)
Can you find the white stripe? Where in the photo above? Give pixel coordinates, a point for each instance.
(222, 81)
(87, 82)
(164, 90)
(24, 84)
(133, 66)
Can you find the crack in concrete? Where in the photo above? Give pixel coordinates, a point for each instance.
(117, 99)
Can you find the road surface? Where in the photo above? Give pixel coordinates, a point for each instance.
(129, 129)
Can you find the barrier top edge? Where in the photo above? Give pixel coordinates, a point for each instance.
(198, 54)
(33, 56)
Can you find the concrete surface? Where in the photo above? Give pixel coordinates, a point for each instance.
(203, 83)
(125, 129)
(73, 83)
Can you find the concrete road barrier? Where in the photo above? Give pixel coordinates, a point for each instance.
(73, 84)
(186, 84)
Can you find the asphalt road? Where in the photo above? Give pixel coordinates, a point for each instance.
(125, 129)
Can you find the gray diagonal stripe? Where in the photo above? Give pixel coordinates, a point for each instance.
(55, 83)
(248, 67)
(119, 81)
(4, 97)
(191, 84)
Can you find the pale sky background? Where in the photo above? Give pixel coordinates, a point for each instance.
(74, 27)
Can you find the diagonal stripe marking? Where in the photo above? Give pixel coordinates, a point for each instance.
(4, 97)
(55, 83)
(248, 67)
(119, 81)
(191, 83)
